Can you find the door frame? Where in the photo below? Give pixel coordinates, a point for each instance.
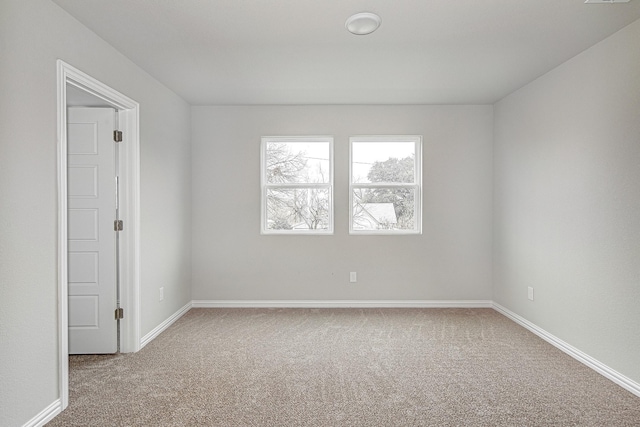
(129, 158)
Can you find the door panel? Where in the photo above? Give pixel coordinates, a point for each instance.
(92, 243)
(82, 181)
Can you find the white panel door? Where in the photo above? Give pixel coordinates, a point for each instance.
(91, 193)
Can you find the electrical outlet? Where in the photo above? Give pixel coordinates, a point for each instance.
(161, 293)
(530, 293)
(353, 277)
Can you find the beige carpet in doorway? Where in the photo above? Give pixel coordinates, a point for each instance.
(343, 367)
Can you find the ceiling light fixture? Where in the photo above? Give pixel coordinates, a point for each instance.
(363, 23)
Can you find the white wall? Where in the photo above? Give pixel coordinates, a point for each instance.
(567, 201)
(33, 35)
(450, 260)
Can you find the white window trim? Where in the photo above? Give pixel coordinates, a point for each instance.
(265, 185)
(416, 186)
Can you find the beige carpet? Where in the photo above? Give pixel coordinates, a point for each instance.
(343, 367)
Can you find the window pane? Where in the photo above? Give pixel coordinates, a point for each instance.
(298, 209)
(384, 209)
(384, 162)
(297, 162)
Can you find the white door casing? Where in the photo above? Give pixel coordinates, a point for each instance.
(91, 193)
(129, 211)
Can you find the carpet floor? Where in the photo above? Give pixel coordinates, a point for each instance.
(343, 367)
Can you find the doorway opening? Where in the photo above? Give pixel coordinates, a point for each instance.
(74, 84)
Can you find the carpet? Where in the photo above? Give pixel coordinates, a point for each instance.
(343, 367)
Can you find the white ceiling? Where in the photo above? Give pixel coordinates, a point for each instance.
(217, 52)
(80, 98)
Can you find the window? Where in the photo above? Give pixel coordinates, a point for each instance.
(297, 185)
(385, 185)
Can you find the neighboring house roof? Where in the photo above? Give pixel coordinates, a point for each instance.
(372, 215)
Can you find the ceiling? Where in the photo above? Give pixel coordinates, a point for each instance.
(80, 98)
(228, 52)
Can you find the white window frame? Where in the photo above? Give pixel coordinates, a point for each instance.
(416, 185)
(266, 185)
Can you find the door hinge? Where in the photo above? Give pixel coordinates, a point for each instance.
(119, 313)
(117, 135)
(118, 225)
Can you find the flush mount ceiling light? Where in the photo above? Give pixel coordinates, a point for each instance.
(363, 23)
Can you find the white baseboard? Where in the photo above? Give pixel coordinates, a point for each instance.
(164, 325)
(601, 368)
(46, 415)
(342, 303)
